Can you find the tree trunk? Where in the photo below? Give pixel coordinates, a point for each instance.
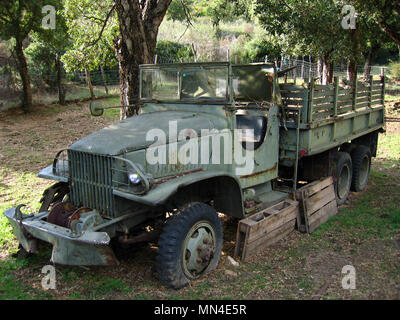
(320, 69)
(104, 79)
(89, 83)
(139, 22)
(352, 64)
(351, 70)
(26, 83)
(368, 62)
(61, 90)
(327, 77)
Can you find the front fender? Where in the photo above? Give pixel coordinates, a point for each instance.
(161, 192)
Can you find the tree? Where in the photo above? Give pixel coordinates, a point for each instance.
(386, 13)
(139, 22)
(93, 29)
(314, 25)
(132, 28)
(17, 20)
(45, 52)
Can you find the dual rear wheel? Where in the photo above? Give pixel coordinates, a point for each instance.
(352, 172)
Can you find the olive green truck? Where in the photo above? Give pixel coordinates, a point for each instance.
(209, 137)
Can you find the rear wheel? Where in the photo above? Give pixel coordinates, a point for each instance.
(190, 246)
(361, 157)
(343, 177)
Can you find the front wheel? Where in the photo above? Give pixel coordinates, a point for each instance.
(190, 246)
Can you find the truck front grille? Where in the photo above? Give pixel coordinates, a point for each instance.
(91, 181)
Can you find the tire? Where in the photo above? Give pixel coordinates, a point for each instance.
(361, 157)
(343, 177)
(190, 246)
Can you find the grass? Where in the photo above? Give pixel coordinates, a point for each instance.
(363, 234)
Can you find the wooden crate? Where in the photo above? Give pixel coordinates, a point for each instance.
(317, 204)
(264, 228)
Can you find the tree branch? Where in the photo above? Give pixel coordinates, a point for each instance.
(102, 29)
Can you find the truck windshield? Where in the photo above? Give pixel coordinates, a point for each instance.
(185, 83)
(253, 83)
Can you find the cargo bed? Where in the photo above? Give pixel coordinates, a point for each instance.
(317, 118)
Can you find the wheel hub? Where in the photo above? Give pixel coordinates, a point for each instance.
(199, 248)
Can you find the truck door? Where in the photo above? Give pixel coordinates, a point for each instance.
(262, 146)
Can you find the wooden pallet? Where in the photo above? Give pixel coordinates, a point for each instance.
(317, 204)
(264, 228)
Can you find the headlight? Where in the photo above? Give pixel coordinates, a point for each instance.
(130, 177)
(134, 178)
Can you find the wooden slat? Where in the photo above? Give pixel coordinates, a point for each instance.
(323, 87)
(323, 107)
(345, 110)
(363, 99)
(272, 238)
(291, 87)
(321, 115)
(322, 215)
(345, 91)
(363, 94)
(316, 186)
(319, 94)
(318, 203)
(319, 200)
(345, 97)
(377, 102)
(292, 94)
(325, 99)
(275, 219)
(362, 105)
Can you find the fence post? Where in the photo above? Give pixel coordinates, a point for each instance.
(302, 69)
(295, 72)
(155, 59)
(236, 59)
(89, 83)
(103, 77)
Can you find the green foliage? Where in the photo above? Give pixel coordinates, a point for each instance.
(19, 18)
(174, 51)
(256, 49)
(92, 45)
(394, 68)
(176, 10)
(42, 66)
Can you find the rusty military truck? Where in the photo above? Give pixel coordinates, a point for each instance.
(210, 139)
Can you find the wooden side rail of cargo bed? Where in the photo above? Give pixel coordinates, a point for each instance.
(323, 102)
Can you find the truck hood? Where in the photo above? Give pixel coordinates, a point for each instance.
(130, 134)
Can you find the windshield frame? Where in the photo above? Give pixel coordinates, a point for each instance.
(195, 66)
(187, 67)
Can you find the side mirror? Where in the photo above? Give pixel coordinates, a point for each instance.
(96, 109)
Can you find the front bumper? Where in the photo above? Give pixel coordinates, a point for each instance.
(88, 248)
